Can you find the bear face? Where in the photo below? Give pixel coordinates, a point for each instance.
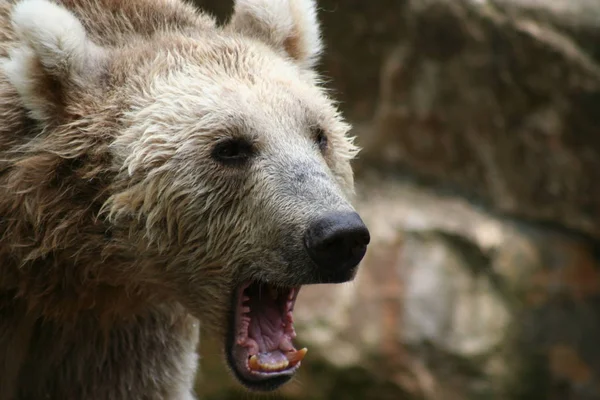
(226, 167)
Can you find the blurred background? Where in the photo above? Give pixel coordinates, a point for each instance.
(479, 181)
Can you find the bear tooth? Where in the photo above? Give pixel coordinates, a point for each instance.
(275, 367)
(253, 363)
(296, 356)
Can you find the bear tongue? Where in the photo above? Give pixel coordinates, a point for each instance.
(266, 324)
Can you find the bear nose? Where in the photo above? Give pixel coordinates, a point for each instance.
(337, 241)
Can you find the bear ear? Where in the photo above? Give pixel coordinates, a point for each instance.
(52, 55)
(290, 26)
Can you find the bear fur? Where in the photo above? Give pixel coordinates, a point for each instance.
(119, 231)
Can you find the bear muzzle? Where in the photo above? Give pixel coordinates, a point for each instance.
(259, 345)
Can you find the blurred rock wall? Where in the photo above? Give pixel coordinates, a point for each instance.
(480, 123)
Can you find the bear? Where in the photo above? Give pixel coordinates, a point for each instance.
(163, 173)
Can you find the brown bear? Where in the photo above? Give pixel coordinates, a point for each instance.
(156, 170)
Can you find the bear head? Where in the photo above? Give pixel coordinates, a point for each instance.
(228, 164)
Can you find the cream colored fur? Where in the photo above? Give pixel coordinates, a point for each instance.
(54, 33)
(288, 25)
(53, 37)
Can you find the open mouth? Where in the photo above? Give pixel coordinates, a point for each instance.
(261, 351)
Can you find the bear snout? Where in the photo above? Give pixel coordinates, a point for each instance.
(336, 243)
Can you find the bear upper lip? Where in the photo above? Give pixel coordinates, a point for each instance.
(262, 334)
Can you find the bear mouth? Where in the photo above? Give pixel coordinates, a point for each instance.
(261, 352)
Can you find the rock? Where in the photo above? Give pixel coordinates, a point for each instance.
(467, 316)
(499, 100)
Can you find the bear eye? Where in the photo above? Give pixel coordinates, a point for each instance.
(321, 138)
(234, 151)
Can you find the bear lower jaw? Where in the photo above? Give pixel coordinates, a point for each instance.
(260, 349)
